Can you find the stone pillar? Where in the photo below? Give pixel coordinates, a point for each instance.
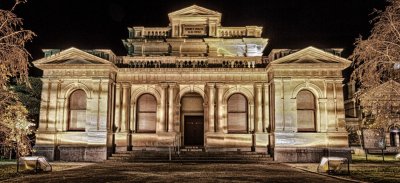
(163, 125)
(258, 108)
(211, 103)
(44, 106)
(266, 108)
(125, 108)
(117, 113)
(171, 107)
(397, 140)
(111, 89)
(220, 119)
(52, 106)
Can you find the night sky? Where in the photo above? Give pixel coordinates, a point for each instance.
(91, 24)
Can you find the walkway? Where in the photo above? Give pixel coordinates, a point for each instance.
(176, 172)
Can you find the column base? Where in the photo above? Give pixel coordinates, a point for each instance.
(122, 141)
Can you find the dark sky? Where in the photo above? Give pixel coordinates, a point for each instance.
(90, 24)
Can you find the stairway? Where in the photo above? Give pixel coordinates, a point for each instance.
(191, 155)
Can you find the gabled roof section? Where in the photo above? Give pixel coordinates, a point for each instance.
(193, 10)
(311, 55)
(71, 56)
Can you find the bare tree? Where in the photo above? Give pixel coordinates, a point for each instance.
(376, 62)
(14, 126)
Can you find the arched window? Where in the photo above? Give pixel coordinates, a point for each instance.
(146, 114)
(77, 111)
(237, 114)
(306, 112)
(394, 136)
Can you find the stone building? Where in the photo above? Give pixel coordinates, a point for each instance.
(360, 114)
(197, 84)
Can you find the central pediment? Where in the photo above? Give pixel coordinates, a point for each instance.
(194, 10)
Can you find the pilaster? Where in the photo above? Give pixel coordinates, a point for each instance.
(211, 108)
(125, 108)
(258, 127)
(117, 113)
(163, 109)
(171, 89)
(220, 118)
(266, 107)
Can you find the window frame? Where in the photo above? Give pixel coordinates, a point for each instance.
(246, 112)
(138, 112)
(69, 128)
(314, 110)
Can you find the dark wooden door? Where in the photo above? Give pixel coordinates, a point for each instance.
(194, 131)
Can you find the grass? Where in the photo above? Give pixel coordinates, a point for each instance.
(374, 158)
(8, 169)
(374, 169)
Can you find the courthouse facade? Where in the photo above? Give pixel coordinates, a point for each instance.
(196, 84)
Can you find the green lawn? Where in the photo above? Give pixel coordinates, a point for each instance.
(375, 170)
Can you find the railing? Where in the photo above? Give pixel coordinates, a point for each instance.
(232, 32)
(156, 31)
(176, 145)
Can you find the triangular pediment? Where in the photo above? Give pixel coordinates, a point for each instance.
(311, 55)
(194, 10)
(71, 56)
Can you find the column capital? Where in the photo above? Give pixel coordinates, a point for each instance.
(258, 85)
(210, 85)
(126, 85)
(163, 85)
(220, 85)
(172, 85)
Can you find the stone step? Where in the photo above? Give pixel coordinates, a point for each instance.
(122, 153)
(190, 156)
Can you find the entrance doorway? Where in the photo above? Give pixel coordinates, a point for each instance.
(192, 117)
(194, 131)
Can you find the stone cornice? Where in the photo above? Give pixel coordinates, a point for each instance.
(191, 70)
(190, 77)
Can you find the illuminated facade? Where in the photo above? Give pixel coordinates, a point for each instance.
(193, 83)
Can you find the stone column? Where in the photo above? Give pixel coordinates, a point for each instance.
(117, 113)
(211, 103)
(171, 107)
(397, 140)
(162, 111)
(266, 108)
(258, 108)
(44, 105)
(220, 119)
(52, 106)
(125, 108)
